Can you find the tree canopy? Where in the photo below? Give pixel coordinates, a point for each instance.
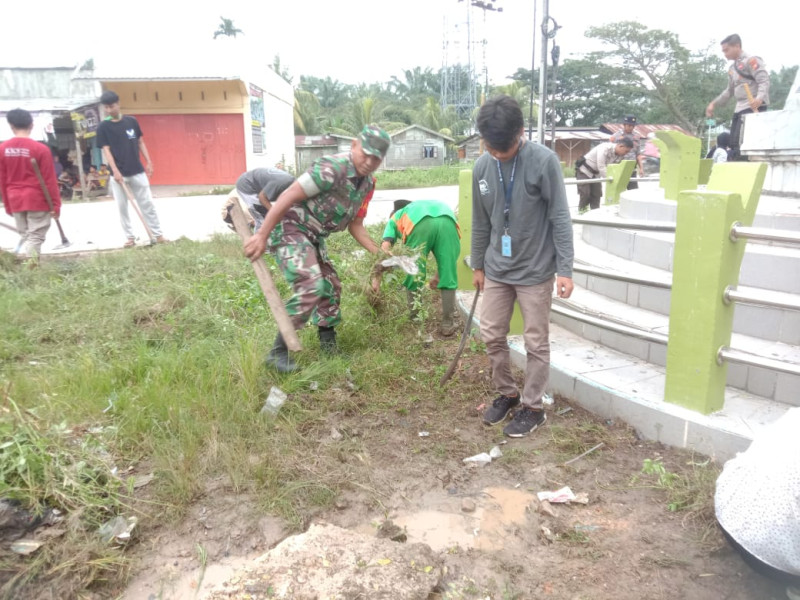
(226, 28)
(643, 71)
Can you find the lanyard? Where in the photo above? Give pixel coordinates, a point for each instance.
(507, 190)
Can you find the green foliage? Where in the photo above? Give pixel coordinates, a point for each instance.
(655, 55)
(780, 86)
(690, 491)
(226, 28)
(644, 71)
(161, 352)
(413, 178)
(656, 467)
(50, 466)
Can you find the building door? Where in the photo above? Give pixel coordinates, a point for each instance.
(195, 149)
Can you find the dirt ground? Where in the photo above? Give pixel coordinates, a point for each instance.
(485, 522)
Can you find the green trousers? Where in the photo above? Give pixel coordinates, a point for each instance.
(440, 236)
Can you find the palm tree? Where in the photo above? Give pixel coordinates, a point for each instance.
(226, 28)
(306, 113)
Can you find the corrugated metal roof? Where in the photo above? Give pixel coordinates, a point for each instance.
(314, 140)
(431, 131)
(643, 130)
(36, 105)
(593, 136)
(562, 134)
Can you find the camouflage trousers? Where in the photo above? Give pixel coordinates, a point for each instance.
(316, 289)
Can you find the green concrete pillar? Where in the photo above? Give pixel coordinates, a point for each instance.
(465, 225)
(705, 262)
(620, 175)
(680, 156)
(705, 171)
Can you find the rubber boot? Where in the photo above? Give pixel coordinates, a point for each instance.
(327, 340)
(279, 358)
(414, 298)
(448, 326)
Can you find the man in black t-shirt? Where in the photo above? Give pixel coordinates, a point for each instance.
(120, 138)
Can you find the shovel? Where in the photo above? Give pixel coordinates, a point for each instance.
(64, 241)
(14, 229)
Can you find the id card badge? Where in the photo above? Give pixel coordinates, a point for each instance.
(505, 243)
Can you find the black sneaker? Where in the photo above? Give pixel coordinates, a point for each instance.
(525, 420)
(499, 409)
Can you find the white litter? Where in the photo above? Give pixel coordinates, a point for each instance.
(406, 263)
(563, 496)
(481, 459)
(274, 401)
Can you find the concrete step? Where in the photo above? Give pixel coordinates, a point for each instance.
(616, 385)
(770, 267)
(782, 387)
(768, 323)
(773, 212)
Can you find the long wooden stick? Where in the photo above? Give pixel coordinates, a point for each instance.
(46, 192)
(463, 343)
(274, 301)
(589, 451)
(749, 93)
(132, 200)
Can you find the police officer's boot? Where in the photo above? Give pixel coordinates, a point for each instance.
(279, 358)
(448, 326)
(414, 298)
(327, 340)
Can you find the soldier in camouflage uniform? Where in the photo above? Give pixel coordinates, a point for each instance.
(331, 196)
(746, 73)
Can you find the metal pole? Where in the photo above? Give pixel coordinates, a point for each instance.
(764, 234)
(555, 53)
(533, 69)
(732, 355)
(543, 73)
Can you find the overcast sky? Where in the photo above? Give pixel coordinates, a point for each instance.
(363, 40)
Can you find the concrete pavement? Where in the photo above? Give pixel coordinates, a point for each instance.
(93, 226)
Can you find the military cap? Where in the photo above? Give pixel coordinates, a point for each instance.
(374, 140)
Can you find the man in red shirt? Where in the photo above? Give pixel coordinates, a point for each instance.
(20, 188)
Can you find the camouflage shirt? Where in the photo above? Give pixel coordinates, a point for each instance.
(336, 195)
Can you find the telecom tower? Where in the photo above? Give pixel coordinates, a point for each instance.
(461, 71)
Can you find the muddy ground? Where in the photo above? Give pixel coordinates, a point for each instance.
(485, 522)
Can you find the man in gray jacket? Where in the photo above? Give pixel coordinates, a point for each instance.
(521, 245)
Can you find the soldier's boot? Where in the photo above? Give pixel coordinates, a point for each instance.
(279, 358)
(448, 326)
(327, 340)
(414, 298)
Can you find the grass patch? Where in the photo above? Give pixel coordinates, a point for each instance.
(152, 362)
(689, 490)
(217, 190)
(414, 178)
(575, 439)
